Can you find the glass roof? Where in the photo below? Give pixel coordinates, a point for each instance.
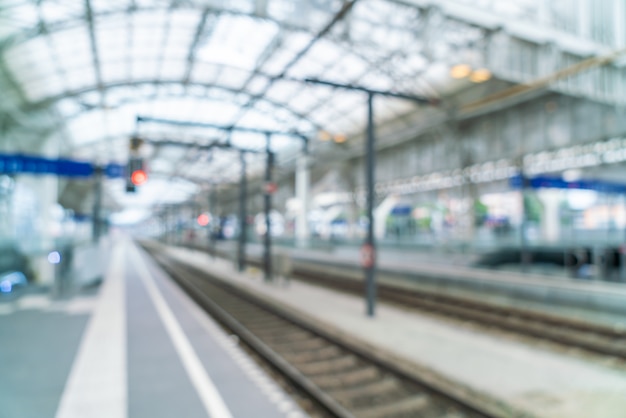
(86, 69)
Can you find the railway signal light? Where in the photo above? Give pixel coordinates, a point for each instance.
(135, 174)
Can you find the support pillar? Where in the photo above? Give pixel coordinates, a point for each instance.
(241, 250)
(267, 205)
(97, 206)
(370, 244)
(302, 194)
(551, 220)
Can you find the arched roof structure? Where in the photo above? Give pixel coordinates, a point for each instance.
(75, 74)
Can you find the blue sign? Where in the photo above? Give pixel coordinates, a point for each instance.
(559, 183)
(17, 163)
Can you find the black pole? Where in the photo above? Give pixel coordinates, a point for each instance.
(241, 259)
(267, 250)
(97, 206)
(212, 220)
(370, 245)
(524, 253)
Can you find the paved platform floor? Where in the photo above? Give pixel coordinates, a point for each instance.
(406, 265)
(540, 381)
(139, 347)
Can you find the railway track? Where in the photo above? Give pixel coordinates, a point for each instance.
(566, 332)
(341, 378)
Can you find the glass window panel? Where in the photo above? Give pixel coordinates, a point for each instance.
(173, 69)
(183, 18)
(277, 63)
(113, 71)
(112, 42)
(204, 73)
(282, 91)
(54, 11)
(257, 84)
(232, 78)
(42, 88)
(237, 41)
(347, 69)
(81, 77)
(108, 5)
(147, 41)
(68, 107)
(24, 15)
(145, 69)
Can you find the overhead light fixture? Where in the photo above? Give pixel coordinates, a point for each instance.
(481, 75)
(324, 136)
(460, 71)
(340, 139)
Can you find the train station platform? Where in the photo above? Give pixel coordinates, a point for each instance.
(590, 300)
(136, 347)
(529, 377)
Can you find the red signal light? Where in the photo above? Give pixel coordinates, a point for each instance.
(138, 177)
(203, 220)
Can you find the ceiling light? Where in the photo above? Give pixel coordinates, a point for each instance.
(324, 136)
(480, 75)
(460, 71)
(340, 139)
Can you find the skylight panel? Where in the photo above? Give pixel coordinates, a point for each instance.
(257, 84)
(147, 42)
(43, 87)
(21, 16)
(237, 41)
(114, 70)
(183, 18)
(177, 43)
(24, 60)
(282, 91)
(73, 48)
(172, 69)
(145, 68)
(68, 107)
(205, 73)
(56, 11)
(79, 78)
(232, 78)
(348, 69)
(109, 5)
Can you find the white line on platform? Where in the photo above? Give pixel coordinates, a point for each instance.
(208, 393)
(97, 384)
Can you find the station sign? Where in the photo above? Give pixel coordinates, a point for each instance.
(541, 182)
(29, 164)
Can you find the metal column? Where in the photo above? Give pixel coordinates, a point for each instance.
(524, 254)
(370, 167)
(302, 193)
(241, 251)
(97, 206)
(214, 218)
(267, 249)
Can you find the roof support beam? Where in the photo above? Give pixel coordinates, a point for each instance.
(345, 9)
(94, 47)
(191, 57)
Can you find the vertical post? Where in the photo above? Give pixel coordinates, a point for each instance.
(302, 192)
(370, 267)
(241, 253)
(267, 250)
(213, 219)
(524, 255)
(97, 206)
